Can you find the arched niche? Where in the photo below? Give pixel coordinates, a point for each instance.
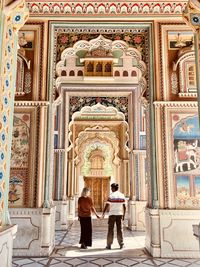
(97, 113)
(117, 54)
(106, 151)
(184, 70)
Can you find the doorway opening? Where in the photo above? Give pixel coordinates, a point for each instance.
(100, 188)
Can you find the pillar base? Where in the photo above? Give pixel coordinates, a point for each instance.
(136, 215)
(62, 210)
(169, 233)
(7, 234)
(72, 208)
(36, 231)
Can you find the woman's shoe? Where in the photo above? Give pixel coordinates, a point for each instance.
(121, 246)
(83, 246)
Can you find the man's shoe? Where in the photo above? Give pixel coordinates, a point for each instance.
(121, 246)
(108, 247)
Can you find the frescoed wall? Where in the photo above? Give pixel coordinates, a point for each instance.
(20, 141)
(19, 159)
(24, 174)
(186, 138)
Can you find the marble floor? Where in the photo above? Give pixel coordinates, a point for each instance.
(67, 251)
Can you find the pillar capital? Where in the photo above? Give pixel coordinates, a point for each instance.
(191, 14)
(16, 14)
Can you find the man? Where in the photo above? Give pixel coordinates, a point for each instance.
(117, 209)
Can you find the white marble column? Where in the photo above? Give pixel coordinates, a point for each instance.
(72, 206)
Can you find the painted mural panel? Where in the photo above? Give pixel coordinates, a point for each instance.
(20, 141)
(18, 183)
(17, 188)
(186, 139)
(183, 186)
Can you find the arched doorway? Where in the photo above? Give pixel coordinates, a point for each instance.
(114, 92)
(97, 151)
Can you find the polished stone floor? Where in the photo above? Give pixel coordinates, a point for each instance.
(67, 251)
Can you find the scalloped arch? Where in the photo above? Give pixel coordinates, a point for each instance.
(91, 136)
(113, 46)
(111, 113)
(90, 146)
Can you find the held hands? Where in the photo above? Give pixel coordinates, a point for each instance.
(100, 217)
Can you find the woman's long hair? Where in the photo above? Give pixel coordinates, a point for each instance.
(85, 191)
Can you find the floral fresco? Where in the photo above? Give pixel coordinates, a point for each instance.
(76, 103)
(136, 40)
(19, 160)
(20, 141)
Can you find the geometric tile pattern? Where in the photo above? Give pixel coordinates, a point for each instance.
(108, 262)
(67, 251)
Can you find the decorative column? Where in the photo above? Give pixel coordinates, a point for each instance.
(12, 18)
(192, 18)
(132, 202)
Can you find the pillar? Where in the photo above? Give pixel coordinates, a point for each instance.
(12, 18)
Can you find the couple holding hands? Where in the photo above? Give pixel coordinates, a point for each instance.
(116, 204)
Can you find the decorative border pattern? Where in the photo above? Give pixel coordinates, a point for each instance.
(57, 8)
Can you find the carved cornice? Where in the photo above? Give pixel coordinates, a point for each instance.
(191, 104)
(134, 7)
(98, 110)
(187, 94)
(59, 150)
(179, 213)
(31, 103)
(25, 211)
(139, 152)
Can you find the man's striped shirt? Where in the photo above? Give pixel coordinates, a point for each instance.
(116, 201)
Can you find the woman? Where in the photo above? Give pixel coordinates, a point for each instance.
(85, 208)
